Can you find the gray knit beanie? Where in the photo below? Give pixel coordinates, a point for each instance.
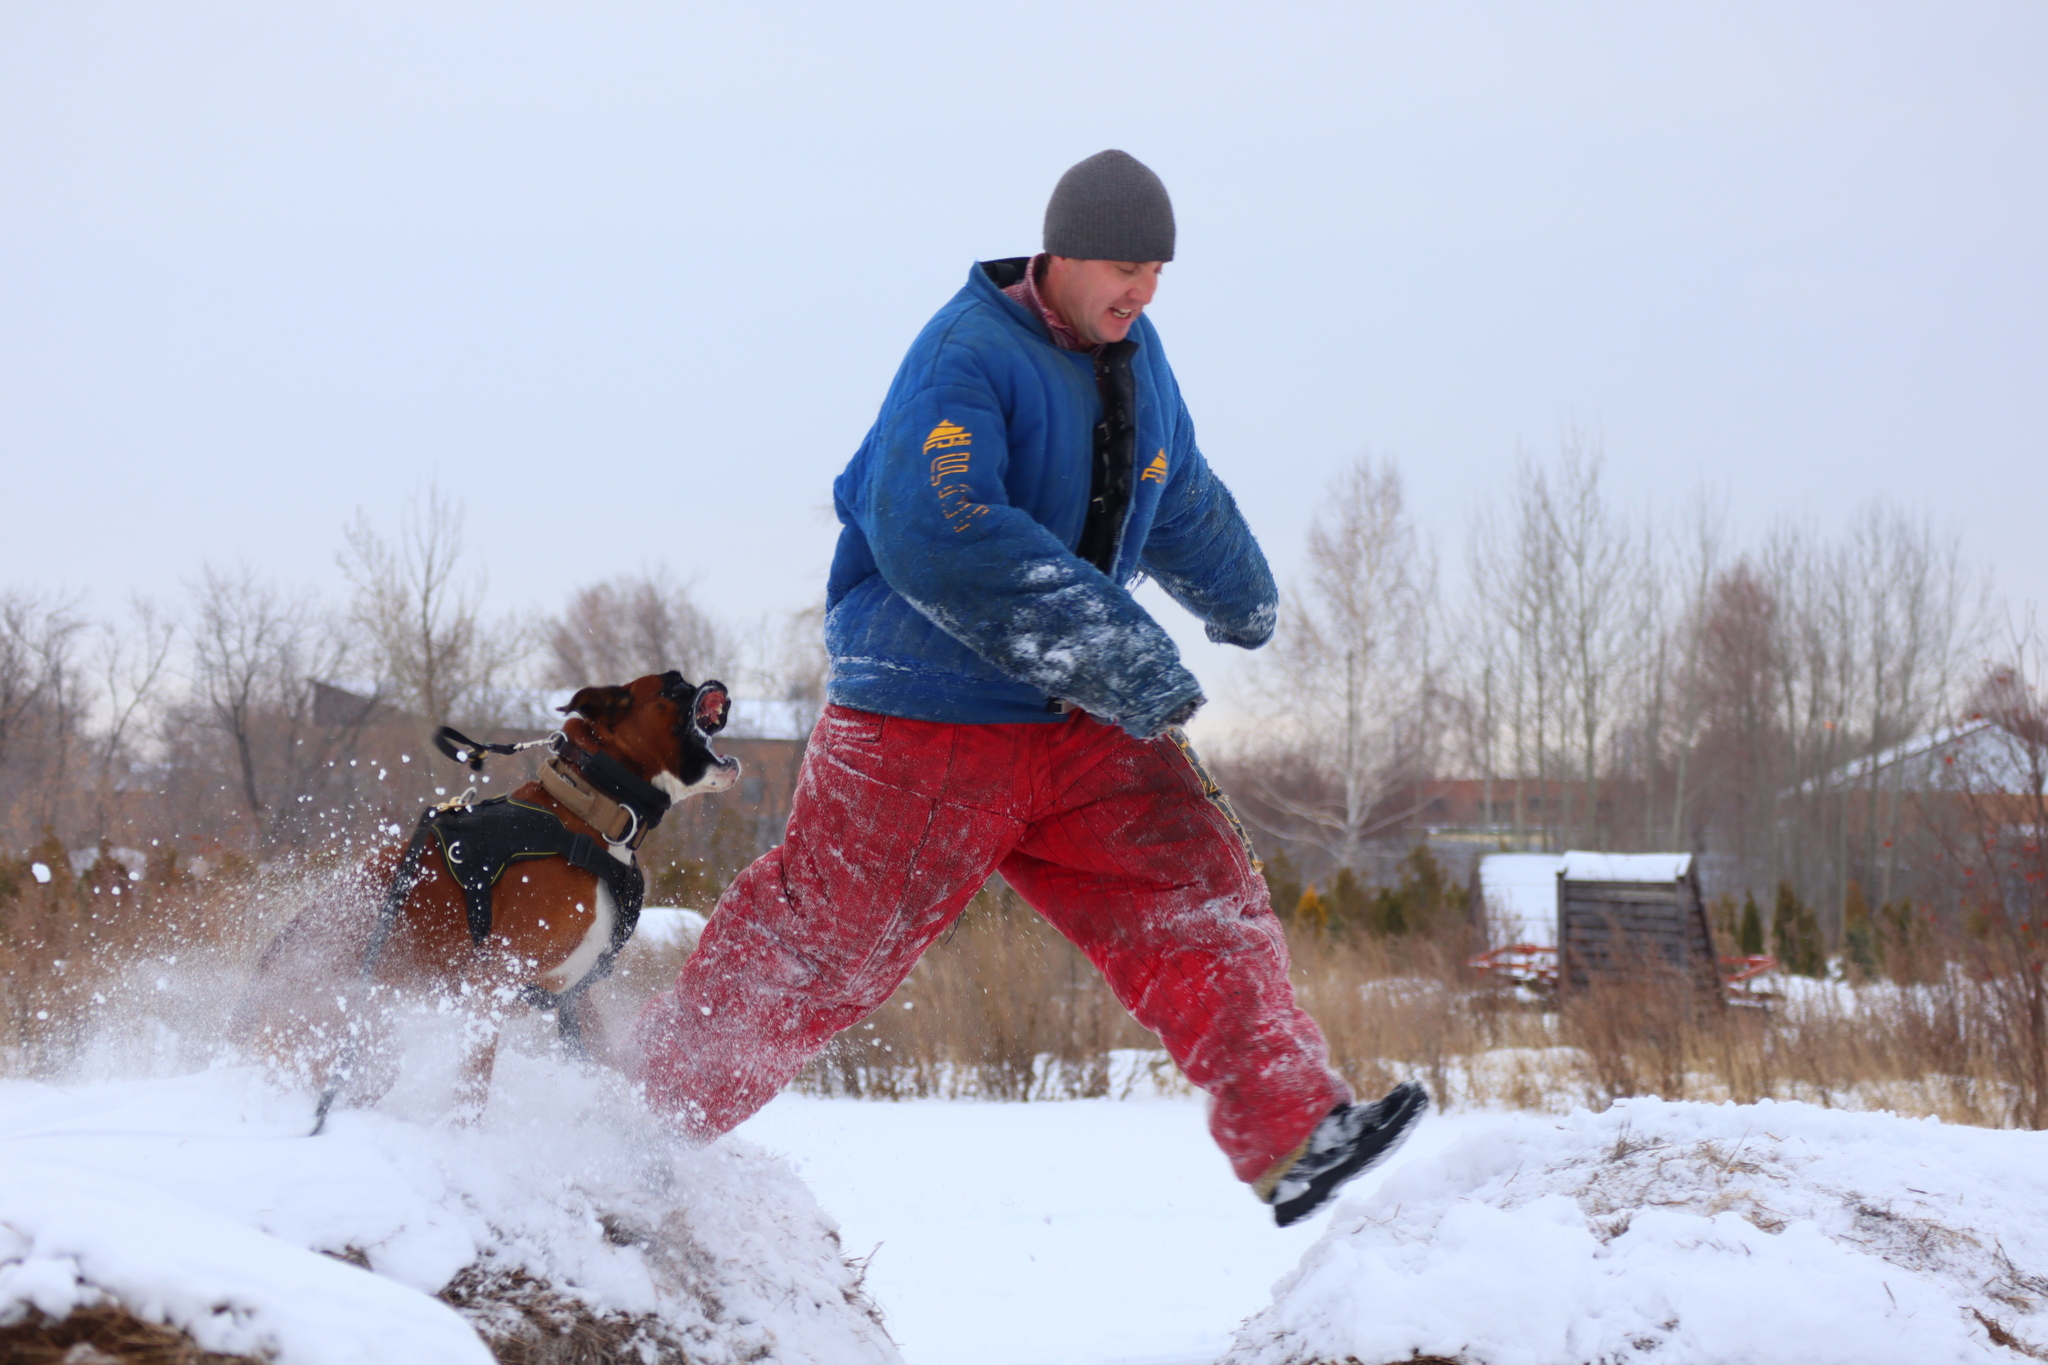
(1110, 207)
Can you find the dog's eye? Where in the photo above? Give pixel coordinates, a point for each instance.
(712, 706)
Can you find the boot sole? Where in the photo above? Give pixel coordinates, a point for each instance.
(1325, 1186)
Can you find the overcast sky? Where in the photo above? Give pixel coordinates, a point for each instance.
(630, 280)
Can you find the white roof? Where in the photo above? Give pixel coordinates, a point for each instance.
(1977, 756)
(1521, 898)
(1580, 866)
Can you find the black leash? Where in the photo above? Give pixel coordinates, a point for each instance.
(470, 753)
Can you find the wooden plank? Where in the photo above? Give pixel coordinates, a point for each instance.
(1603, 932)
(1594, 891)
(1641, 915)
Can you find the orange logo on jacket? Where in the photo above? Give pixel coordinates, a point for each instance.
(955, 442)
(955, 446)
(947, 434)
(1156, 471)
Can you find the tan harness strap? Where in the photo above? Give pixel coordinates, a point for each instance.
(614, 821)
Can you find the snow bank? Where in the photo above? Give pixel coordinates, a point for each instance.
(1683, 1234)
(198, 1201)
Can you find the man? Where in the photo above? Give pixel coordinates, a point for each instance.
(1000, 703)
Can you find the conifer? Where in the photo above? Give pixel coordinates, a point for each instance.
(1859, 941)
(1750, 940)
(1283, 883)
(1795, 934)
(1349, 904)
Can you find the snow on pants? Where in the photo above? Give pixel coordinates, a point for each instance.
(895, 826)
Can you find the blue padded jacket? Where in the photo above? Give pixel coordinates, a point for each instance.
(957, 594)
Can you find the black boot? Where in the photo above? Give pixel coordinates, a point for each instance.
(1351, 1140)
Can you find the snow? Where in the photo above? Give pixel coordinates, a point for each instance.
(1980, 756)
(1076, 1232)
(666, 926)
(1685, 1234)
(1092, 1232)
(1521, 898)
(199, 1200)
(1580, 866)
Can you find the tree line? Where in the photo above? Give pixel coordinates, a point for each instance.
(1826, 719)
(1596, 676)
(251, 721)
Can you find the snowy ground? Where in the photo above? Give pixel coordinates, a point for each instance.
(1683, 1234)
(1092, 1232)
(1072, 1233)
(200, 1201)
(1078, 1233)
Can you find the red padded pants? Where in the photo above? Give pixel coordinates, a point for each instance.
(897, 823)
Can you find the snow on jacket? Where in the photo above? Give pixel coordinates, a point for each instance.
(957, 593)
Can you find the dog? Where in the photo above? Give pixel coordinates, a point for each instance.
(523, 899)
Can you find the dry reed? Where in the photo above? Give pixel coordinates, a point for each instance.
(1004, 1008)
(104, 1334)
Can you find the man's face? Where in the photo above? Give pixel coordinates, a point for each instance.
(1100, 300)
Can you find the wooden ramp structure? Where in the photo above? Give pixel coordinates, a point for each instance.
(1625, 918)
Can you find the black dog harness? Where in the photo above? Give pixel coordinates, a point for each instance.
(480, 842)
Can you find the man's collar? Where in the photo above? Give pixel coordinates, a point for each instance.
(1023, 290)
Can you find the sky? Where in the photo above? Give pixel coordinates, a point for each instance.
(629, 280)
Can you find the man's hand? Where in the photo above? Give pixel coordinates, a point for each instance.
(1186, 713)
(1176, 711)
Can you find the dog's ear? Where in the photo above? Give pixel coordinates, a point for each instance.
(602, 704)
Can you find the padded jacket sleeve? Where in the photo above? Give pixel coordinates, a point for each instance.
(1204, 555)
(944, 535)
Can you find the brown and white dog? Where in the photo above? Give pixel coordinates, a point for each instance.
(550, 924)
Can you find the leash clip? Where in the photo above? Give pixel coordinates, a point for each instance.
(462, 802)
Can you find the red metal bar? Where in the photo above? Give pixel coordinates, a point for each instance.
(1737, 970)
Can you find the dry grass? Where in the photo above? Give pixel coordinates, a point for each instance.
(1004, 1008)
(522, 1320)
(105, 1334)
(528, 1322)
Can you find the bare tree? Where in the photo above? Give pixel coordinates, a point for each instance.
(1602, 608)
(1515, 577)
(1694, 575)
(132, 667)
(1350, 662)
(40, 714)
(787, 663)
(421, 616)
(257, 653)
(36, 639)
(1924, 614)
(623, 628)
